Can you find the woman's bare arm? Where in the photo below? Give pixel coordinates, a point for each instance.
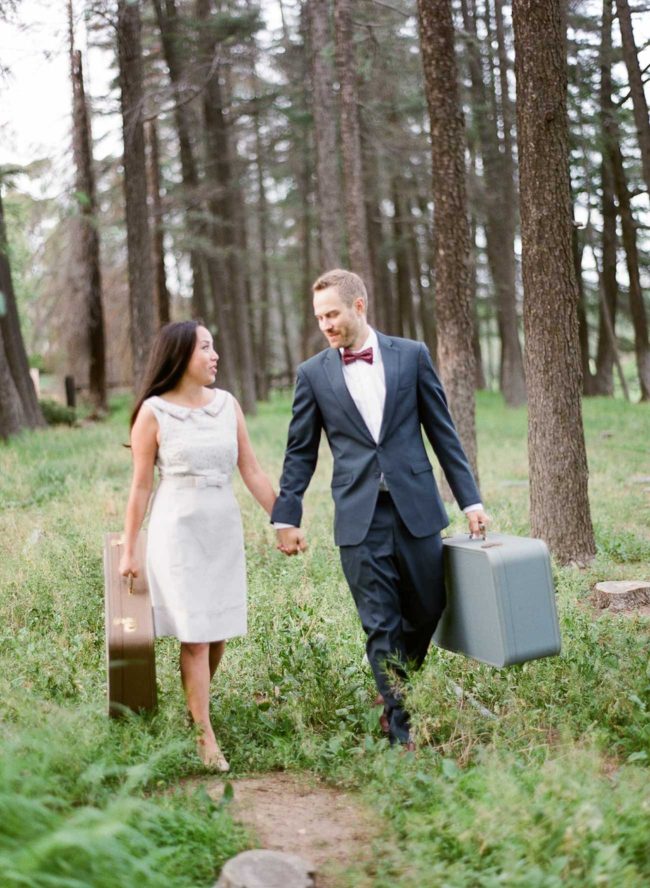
(144, 446)
(252, 473)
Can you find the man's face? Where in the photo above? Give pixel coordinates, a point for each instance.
(342, 325)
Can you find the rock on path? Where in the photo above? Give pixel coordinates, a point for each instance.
(266, 869)
(324, 826)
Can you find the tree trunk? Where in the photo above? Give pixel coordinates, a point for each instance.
(167, 18)
(86, 245)
(161, 293)
(265, 286)
(406, 311)
(12, 415)
(456, 360)
(479, 382)
(380, 271)
(559, 502)
(603, 381)
(234, 319)
(311, 339)
(135, 185)
(639, 102)
(15, 355)
(499, 201)
(637, 308)
(354, 201)
(284, 312)
(583, 325)
(328, 186)
(425, 306)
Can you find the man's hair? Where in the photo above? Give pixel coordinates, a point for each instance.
(349, 285)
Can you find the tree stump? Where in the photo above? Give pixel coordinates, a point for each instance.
(266, 869)
(622, 595)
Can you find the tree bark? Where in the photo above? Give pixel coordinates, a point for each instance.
(603, 383)
(583, 325)
(425, 306)
(328, 185)
(479, 382)
(499, 200)
(559, 502)
(456, 360)
(403, 276)
(354, 201)
(221, 172)
(86, 246)
(167, 17)
(13, 346)
(265, 284)
(12, 415)
(637, 308)
(161, 293)
(135, 185)
(639, 102)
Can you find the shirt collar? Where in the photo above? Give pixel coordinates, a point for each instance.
(371, 342)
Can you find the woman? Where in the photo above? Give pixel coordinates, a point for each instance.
(195, 550)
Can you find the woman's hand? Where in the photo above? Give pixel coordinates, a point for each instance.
(128, 565)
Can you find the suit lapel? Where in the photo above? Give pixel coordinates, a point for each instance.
(334, 372)
(390, 358)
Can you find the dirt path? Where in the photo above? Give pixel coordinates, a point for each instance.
(325, 826)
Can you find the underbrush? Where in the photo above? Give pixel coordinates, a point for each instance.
(534, 775)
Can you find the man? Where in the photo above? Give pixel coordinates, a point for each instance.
(372, 394)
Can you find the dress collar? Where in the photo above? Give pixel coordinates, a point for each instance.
(179, 411)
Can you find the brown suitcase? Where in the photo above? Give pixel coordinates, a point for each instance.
(130, 658)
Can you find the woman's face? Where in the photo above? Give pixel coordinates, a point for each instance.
(202, 367)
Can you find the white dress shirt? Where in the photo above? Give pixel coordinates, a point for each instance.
(367, 386)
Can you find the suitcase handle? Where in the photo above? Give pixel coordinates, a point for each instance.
(482, 535)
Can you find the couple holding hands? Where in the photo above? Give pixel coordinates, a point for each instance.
(372, 395)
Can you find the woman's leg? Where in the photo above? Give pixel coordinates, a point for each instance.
(195, 675)
(216, 653)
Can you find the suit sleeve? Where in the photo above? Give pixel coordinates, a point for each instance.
(441, 432)
(301, 454)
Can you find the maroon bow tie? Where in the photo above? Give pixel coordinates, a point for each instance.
(364, 355)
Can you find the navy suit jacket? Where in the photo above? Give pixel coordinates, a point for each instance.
(415, 400)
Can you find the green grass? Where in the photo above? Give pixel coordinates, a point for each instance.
(554, 791)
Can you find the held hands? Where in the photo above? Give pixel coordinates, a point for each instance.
(291, 540)
(478, 522)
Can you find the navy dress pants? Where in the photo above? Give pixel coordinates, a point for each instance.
(397, 583)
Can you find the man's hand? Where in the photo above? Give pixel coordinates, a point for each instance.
(478, 522)
(291, 540)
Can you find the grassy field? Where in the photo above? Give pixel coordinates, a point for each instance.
(554, 791)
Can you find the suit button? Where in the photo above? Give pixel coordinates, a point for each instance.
(379, 449)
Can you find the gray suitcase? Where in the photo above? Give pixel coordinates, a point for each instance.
(500, 600)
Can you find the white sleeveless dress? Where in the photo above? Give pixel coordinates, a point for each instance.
(195, 545)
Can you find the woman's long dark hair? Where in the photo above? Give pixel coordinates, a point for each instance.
(170, 354)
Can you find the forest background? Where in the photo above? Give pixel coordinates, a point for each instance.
(235, 152)
(274, 76)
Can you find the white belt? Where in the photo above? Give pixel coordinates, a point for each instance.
(216, 480)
